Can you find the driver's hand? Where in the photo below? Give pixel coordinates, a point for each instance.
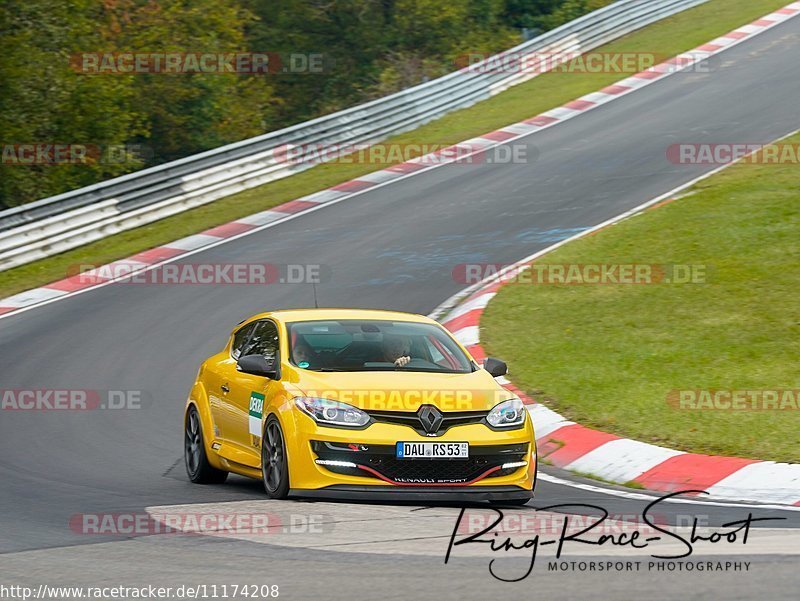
(402, 361)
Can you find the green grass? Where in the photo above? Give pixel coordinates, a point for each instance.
(607, 356)
(633, 484)
(589, 476)
(669, 37)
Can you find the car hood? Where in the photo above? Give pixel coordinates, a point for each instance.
(404, 390)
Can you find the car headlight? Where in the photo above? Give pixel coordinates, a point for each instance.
(508, 414)
(332, 413)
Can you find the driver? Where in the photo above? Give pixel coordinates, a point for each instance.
(303, 353)
(397, 350)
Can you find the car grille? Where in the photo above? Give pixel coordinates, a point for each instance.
(449, 419)
(380, 462)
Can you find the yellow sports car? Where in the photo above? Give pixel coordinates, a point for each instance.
(353, 403)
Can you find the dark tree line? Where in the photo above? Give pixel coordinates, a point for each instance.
(369, 48)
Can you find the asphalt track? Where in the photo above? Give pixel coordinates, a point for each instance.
(394, 248)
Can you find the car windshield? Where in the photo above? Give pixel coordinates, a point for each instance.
(375, 345)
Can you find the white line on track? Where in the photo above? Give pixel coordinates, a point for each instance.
(652, 497)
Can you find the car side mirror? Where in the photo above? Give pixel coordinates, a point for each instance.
(259, 365)
(495, 367)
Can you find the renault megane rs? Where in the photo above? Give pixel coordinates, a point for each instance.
(354, 403)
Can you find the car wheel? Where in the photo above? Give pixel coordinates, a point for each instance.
(274, 463)
(198, 468)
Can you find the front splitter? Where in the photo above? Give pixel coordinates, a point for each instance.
(416, 494)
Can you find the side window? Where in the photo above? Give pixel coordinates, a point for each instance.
(264, 340)
(239, 340)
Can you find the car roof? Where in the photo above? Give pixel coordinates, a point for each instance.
(295, 315)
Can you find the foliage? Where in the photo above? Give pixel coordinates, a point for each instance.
(370, 48)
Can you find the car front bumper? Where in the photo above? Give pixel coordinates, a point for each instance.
(375, 478)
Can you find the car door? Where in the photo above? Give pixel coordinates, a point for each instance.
(249, 396)
(217, 376)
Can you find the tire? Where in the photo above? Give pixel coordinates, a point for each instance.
(274, 463)
(199, 470)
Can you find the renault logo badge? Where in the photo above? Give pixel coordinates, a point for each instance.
(430, 418)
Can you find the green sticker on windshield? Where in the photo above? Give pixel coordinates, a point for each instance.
(303, 364)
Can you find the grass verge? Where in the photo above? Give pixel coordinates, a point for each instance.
(667, 38)
(610, 356)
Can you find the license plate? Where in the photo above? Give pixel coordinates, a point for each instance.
(432, 450)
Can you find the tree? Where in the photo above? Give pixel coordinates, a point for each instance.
(185, 113)
(43, 101)
(47, 98)
(370, 48)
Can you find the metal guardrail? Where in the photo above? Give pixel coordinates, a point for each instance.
(59, 223)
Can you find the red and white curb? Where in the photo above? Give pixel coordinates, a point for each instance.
(568, 445)
(155, 257)
(612, 458)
